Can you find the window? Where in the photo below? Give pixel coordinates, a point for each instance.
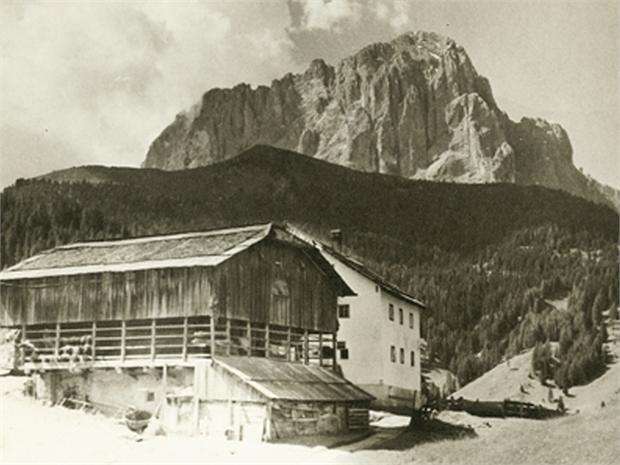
(280, 302)
(341, 345)
(412, 358)
(344, 311)
(391, 312)
(393, 354)
(402, 355)
(411, 320)
(344, 354)
(400, 316)
(150, 396)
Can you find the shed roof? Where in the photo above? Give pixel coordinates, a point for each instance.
(292, 381)
(204, 248)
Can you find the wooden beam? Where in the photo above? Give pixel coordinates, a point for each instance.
(153, 338)
(24, 338)
(249, 329)
(184, 350)
(320, 349)
(94, 340)
(228, 336)
(306, 348)
(288, 345)
(212, 334)
(57, 341)
(267, 429)
(123, 337)
(334, 351)
(267, 340)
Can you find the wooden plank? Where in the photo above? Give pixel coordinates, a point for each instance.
(212, 335)
(334, 351)
(123, 334)
(267, 340)
(320, 349)
(94, 340)
(306, 348)
(57, 341)
(288, 344)
(184, 353)
(249, 331)
(228, 336)
(153, 338)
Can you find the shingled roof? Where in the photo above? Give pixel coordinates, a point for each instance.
(291, 381)
(204, 248)
(384, 284)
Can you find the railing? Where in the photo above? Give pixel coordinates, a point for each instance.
(171, 338)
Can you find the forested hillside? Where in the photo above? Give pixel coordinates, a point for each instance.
(488, 259)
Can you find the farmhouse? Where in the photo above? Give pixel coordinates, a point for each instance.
(228, 332)
(380, 327)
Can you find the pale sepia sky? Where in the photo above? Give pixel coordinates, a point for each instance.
(95, 83)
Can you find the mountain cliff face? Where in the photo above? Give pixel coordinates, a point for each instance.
(414, 107)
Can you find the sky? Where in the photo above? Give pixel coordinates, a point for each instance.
(95, 83)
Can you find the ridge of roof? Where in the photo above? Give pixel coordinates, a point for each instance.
(383, 283)
(163, 237)
(360, 267)
(212, 259)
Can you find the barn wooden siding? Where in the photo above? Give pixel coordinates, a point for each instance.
(240, 288)
(244, 286)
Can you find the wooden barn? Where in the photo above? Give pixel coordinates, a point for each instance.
(229, 331)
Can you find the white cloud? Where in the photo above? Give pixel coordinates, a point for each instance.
(99, 82)
(328, 14)
(400, 15)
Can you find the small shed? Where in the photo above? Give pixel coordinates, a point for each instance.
(253, 398)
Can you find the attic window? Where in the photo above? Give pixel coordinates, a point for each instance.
(280, 302)
(393, 354)
(411, 320)
(402, 355)
(344, 354)
(391, 312)
(344, 311)
(400, 316)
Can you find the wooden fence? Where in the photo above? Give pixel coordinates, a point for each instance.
(505, 408)
(171, 338)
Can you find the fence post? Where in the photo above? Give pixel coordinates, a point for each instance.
(153, 336)
(184, 350)
(94, 340)
(57, 342)
(123, 337)
(306, 348)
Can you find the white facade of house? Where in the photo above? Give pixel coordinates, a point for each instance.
(375, 350)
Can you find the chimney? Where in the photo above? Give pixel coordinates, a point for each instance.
(336, 238)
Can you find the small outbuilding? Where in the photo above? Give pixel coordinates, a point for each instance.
(261, 399)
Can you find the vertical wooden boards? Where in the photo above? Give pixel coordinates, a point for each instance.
(271, 282)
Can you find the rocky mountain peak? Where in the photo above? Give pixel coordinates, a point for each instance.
(414, 107)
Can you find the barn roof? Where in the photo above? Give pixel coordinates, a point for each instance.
(291, 381)
(205, 248)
